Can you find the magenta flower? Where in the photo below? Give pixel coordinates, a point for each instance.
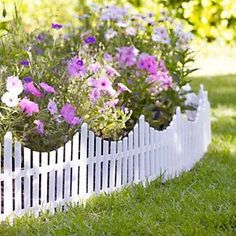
(126, 56)
(28, 106)
(76, 67)
(29, 88)
(111, 103)
(148, 63)
(107, 57)
(122, 88)
(95, 67)
(39, 126)
(92, 82)
(90, 39)
(94, 95)
(68, 113)
(56, 26)
(110, 71)
(105, 84)
(47, 88)
(52, 107)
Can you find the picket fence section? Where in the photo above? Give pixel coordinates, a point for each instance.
(87, 165)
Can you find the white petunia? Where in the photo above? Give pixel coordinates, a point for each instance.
(131, 31)
(110, 34)
(14, 85)
(10, 99)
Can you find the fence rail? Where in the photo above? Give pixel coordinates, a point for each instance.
(32, 181)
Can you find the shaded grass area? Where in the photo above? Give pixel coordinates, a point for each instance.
(200, 202)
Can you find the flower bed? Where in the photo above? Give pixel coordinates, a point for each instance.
(115, 65)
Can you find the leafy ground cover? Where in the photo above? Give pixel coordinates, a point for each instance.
(200, 202)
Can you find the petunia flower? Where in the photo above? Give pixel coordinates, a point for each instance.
(39, 126)
(25, 63)
(56, 26)
(110, 71)
(52, 107)
(103, 83)
(10, 99)
(47, 88)
(94, 95)
(122, 88)
(28, 106)
(90, 39)
(76, 67)
(148, 63)
(14, 85)
(29, 88)
(68, 113)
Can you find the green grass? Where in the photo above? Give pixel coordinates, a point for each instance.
(200, 202)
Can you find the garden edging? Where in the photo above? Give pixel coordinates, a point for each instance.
(88, 165)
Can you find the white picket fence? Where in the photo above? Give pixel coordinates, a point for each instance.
(86, 165)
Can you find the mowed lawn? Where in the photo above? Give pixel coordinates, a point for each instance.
(200, 202)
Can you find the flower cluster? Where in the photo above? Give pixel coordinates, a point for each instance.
(106, 72)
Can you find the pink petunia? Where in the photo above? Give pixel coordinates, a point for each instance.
(29, 88)
(28, 106)
(76, 67)
(47, 88)
(68, 113)
(122, 88)
(148, 63)
(126, 56)
(94, 95)
(104, 84)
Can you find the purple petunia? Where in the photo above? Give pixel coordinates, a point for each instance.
(39, 126)
(28, 106)
(27, 80)
(94, 95)
(68, 113)
(47, 88)
(25, 63)
(90, 39)
(52, 107)
(76, 67)
(56, 26)
(126, 56)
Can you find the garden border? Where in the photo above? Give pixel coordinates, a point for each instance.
(86, 165)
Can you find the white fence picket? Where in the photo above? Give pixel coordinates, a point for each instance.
(44, 179)
(83, 160)
(89, 166)
(130, 158)
(59, 189)
(51, 187)
(26, 196)
(112, 166)
(98, 165)
(124, 172)
(105, 166)
(75, 158)
(36, 181)
(8, 203)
